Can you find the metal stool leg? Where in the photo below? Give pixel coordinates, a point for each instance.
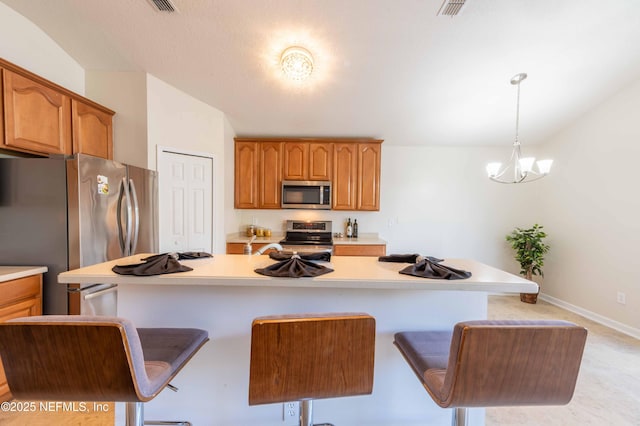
(135, 417)
(306, 414)
(135, 414)
(460, 417)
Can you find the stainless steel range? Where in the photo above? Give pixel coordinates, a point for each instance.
(308, 236)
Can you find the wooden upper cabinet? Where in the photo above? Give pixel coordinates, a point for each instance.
(92, 130)
(343, 188)
(246, 175)
(351, 165)
(36, 117)
(307, 160)
(356, 176)
(320, 161)
(368, 177)
(270, 176)
(296, 161)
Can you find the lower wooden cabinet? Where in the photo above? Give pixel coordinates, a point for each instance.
(359, 249)
(338, 249)
(18, 298)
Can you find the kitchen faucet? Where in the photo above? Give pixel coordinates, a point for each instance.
(248, 250)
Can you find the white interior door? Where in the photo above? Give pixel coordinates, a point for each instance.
(186, 208)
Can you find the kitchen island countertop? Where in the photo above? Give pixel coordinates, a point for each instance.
(349, 272)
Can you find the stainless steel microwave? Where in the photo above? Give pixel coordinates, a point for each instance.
(306, 194)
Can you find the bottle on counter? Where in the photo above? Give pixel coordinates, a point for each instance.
(354, 233)
(349, 231)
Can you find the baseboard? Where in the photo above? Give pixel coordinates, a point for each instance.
(623, 328)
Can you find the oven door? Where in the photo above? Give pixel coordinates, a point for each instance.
(306, 248)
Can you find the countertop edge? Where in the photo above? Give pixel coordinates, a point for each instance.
(9, 273)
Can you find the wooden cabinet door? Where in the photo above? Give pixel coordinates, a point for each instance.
(360, 250)
(368, 177)
(296, 161)
(344, 176)
(36, 118)
(320, 160)
(92, 130)
(246, 175)
(270, 177)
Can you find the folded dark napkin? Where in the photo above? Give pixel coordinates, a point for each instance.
(166, 263)
(294, 267)
(193, 255)
(428, 268)
(283, 255)
(406, 258)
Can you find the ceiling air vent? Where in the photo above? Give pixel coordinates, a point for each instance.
(451, 8)
(163, 6)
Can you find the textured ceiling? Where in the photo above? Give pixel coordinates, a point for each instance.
(389, 69)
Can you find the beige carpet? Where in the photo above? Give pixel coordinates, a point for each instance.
(608, 388)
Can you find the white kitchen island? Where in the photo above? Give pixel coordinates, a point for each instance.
(223, 295)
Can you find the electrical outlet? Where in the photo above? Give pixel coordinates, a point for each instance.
(291, 412)
(622, 298)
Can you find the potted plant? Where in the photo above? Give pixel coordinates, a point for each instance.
(530, 250)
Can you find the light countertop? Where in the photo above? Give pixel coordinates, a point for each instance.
(8, 273)
(276, 237)
(355, 272)
(241, 237)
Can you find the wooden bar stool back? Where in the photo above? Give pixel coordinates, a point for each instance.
(94, 358)
(496, 363)
(306, 357)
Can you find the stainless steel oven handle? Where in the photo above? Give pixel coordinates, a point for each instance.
(110, 289)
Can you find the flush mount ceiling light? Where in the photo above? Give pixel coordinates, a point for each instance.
(297, 63)
(521, 167)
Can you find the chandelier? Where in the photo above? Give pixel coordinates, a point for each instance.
(518, 169)
(296, 63)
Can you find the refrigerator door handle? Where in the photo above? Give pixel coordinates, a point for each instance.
(136, 228)
(110, 289)
(125, 240)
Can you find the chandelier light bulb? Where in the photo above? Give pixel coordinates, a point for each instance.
(526, 164)
(544, 166)
(297, 63)
(493, 169)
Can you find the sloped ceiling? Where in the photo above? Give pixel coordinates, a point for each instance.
(389, 69)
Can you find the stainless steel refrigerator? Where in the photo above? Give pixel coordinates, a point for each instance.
(66, 213)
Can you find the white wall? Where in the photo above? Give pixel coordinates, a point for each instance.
(126, 94)
(26, 45)
(593, 210)
(175, 119)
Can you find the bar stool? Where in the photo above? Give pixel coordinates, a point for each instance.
(88, 358)
(496, 363)
(306, 357)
